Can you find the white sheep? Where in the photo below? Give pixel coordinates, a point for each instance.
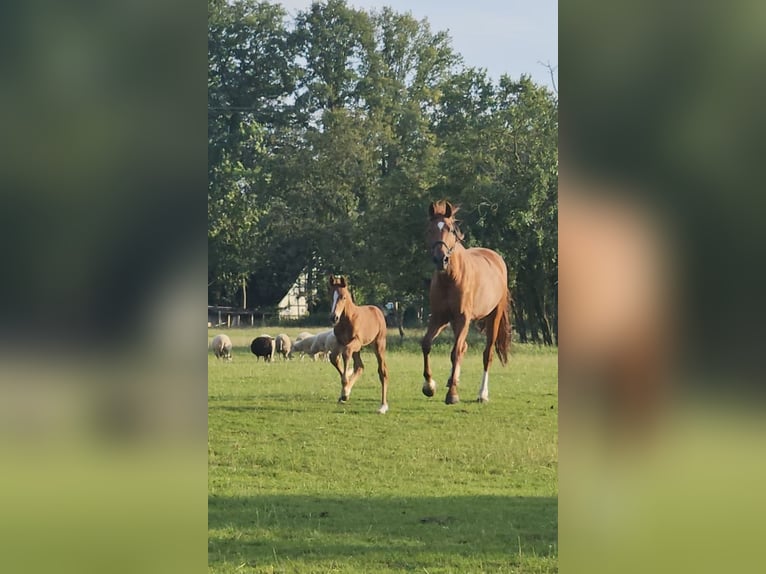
(221, 345)
(302, 345)
(283, 345)
(323, 343)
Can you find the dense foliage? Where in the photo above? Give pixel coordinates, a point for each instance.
(330, 133)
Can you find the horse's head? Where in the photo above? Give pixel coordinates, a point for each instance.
(340, 297)
(443, 235)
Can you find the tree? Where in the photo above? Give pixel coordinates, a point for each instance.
(328, 140)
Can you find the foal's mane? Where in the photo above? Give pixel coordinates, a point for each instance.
(340, 281)
(442, 207)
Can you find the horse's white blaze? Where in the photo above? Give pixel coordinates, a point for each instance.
(484, 390)
(440, 225)
(334, 301)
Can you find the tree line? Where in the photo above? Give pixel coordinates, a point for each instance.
(329, 133)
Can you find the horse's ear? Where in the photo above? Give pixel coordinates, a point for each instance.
(331, 278)
(342, 281)
(431, 209)
(447, 209)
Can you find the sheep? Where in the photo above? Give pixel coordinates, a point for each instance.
(302, 344)
(303, 335)
(282, 345)
(221, 345)
(263, 346)
(323, 343)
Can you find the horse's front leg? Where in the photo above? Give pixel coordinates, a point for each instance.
(347, 382)
(435, 326)
(336, 357)
(460, 327)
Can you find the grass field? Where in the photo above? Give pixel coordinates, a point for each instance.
(298, 483)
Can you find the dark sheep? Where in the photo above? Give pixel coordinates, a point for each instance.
(263, 346)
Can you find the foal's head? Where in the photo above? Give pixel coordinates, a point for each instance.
(442, 235)
(340, 297)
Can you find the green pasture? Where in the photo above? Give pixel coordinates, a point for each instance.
(298, 483)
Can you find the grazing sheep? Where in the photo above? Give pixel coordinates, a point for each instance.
(283, 345)
(323, 343)
(302, 343)
(221, 345)
(263, 346)
(303, 335)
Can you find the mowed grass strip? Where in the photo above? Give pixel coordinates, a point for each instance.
(298, 483)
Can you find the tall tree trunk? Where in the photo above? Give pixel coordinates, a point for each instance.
(518, 318)
(545, 325)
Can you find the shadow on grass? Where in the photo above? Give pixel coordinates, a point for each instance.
(405, 532)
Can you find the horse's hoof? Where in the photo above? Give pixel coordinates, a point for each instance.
(383, 409)
(428, 391)
(342, 400)
(482, 400)
(452, 399)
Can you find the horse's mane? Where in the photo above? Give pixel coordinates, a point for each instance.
(447, 210)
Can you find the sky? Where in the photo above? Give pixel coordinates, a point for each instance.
(503, 36)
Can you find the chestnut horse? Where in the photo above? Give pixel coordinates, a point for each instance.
(356, 327)
(467, 285)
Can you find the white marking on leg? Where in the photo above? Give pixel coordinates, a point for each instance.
(430, 384)
(383, 409)
(484, 390)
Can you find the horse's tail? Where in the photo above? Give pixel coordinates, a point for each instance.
(503, 341)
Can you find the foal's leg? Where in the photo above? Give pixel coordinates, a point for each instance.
(460, 327)
(352, 348)
(336, 358)
(358, 368)
(380, 355)
(435, 326)
(492, 324)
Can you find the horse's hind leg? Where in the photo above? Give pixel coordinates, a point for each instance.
(435, 326)
(380, 355)
(492, 325)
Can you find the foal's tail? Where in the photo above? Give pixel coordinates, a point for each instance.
(503, 341)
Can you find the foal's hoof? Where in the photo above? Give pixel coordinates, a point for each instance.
(452, 400)
(482, 400)
(342, 400)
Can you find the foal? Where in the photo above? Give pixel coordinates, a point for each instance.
(356, 327)
(467, 285)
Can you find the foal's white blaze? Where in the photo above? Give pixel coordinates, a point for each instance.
(334, 301)
(484, 390)
(440, 225)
